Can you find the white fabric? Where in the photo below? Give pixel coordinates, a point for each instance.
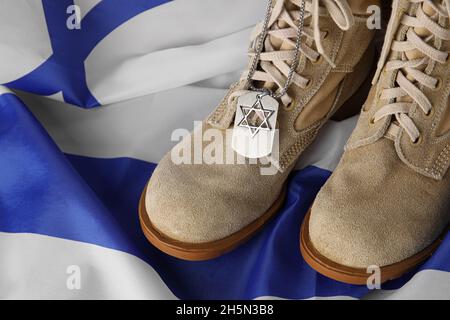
(138, 58)
(32, 271)
(29, 44)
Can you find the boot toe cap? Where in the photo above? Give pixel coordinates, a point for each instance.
(345, 237)
(182, 212)
(201, 204)
(376, 211)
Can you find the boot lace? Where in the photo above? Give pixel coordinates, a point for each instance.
(274, 67)
(412, 72)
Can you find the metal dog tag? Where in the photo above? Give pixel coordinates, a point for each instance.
(255, 125)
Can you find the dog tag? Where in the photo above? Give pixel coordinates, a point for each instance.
(255, 125)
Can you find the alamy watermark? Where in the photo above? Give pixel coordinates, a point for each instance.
(374, 20)
(73, 21)
(213, 146)
(374, 280)
(73, 281)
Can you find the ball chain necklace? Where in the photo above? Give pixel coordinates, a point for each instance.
(256, 140)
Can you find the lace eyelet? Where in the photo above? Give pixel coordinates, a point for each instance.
(430, 113)
(438, 85)
(318, 61)
(327, 33)
(290, 107)
(308, 85)
(418, 141)
(372, 121)
(380, 93)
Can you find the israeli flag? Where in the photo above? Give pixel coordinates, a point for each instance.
(91, 92)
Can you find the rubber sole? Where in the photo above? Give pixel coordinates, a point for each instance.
(203, 251)
(358, 276)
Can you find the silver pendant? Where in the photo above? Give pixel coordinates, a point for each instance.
(255, 125)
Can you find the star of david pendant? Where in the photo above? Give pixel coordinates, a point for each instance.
(255, 125)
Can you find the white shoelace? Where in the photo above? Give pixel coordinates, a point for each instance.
(405, 88)
(274, 62)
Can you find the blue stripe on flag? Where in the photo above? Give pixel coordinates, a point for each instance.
(268, 265)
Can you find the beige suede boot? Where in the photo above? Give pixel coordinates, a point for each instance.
(387, 205)
(200, 210)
